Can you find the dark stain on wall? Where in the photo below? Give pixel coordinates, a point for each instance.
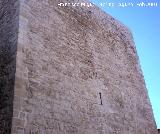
(9, 10)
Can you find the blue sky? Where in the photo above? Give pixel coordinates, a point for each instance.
(144, 22)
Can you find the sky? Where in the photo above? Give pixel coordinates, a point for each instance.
(144, 23)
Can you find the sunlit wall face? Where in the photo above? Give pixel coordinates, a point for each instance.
(143, 19)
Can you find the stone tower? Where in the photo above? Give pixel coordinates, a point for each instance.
(77, 71)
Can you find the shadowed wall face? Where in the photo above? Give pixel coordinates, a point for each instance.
(77, 72)
(8, 44)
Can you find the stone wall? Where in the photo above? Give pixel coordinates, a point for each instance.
(77, 72)
(8, 43)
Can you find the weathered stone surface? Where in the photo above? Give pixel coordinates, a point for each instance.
(77, 72)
